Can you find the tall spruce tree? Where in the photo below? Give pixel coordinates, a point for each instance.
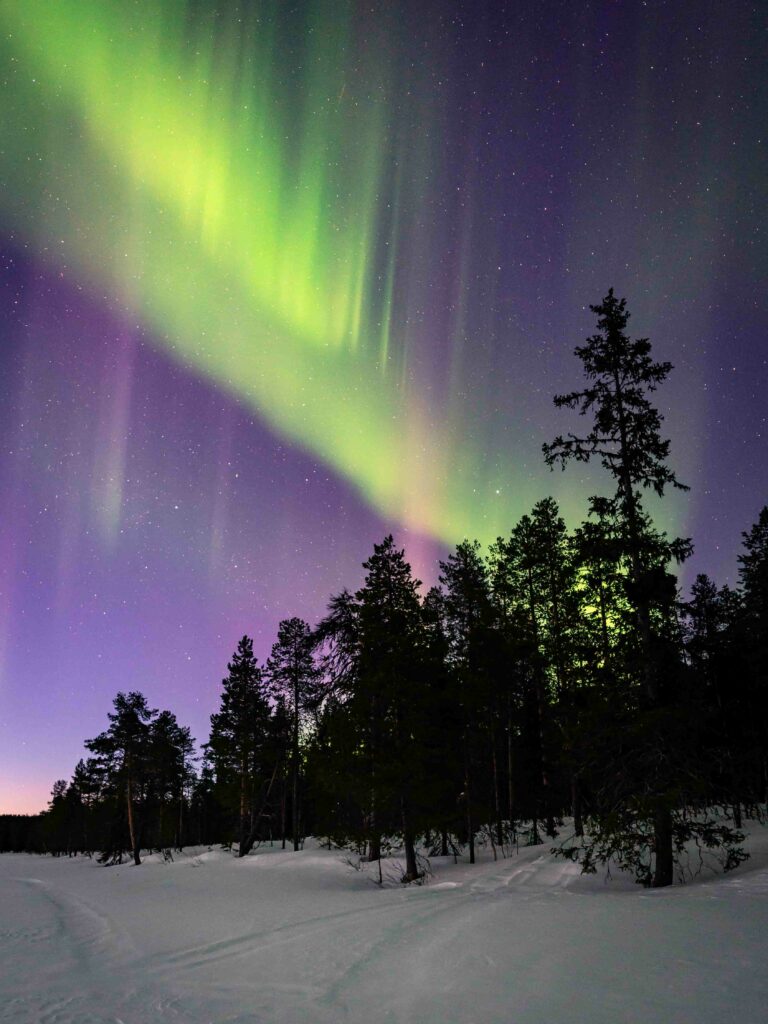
(238, 732)
(344, 749)
(85, 784)
(468, 618)
(390, 638)
(368, 754)
(171, 751)
(444, 730)
(626, 438)
(293, 680)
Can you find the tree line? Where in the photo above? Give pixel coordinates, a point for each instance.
(556, 675)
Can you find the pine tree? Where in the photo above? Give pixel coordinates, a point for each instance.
(342, 754)
(57, 819)
(626, 438)
(237, 738)
(278, 749)
(123, 752)
(468, 616)
(443, 731)
(171, 750)
(367, 754)
(84, 785)
(293, 679)
(390, 637)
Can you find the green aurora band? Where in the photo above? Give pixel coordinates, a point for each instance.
(252, 217)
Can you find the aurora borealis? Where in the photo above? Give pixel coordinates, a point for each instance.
(278, 278)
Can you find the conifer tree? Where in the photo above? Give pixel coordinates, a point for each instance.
(626, 438)
(85, 784)
(468, 617)
(444, 729)
(390, 637)
(369, 747)
(278, 753)
(343, 752)
(171, 749)
(57, 824)
(293, 679)
(237, 738)
(123, 752)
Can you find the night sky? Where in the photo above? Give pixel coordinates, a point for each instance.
(279, 278)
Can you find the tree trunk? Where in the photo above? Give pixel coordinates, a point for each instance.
(282, 813)
(510, 773)
(468, 803)
(662, 819)
(496, 794)
(604, 621)
(295, 759)
(131, 822)
(411, 867)
(544, 809)
(256, 816)
(374, 838)
(180, 823)
(664, 864)
(244, 829)
(578, 824)
(374, 847)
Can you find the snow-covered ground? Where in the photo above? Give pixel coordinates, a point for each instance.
(303, 937)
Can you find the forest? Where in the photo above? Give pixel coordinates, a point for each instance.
(553, 688)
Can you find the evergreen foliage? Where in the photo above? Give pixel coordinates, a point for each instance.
(236, 750)
(293, 682)
(626, 438)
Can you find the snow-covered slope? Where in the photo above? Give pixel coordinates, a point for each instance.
(302, 937)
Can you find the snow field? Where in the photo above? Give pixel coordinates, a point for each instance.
(292, 937)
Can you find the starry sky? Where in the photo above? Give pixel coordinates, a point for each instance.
(278, 278)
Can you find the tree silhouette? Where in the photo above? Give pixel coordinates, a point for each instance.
(123, 751)
(238, 733)
(293, 679)
(626, 438)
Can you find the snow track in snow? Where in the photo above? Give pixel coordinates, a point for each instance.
(282, 938)
(64, 961)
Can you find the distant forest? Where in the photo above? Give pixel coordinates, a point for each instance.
(555, 675)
